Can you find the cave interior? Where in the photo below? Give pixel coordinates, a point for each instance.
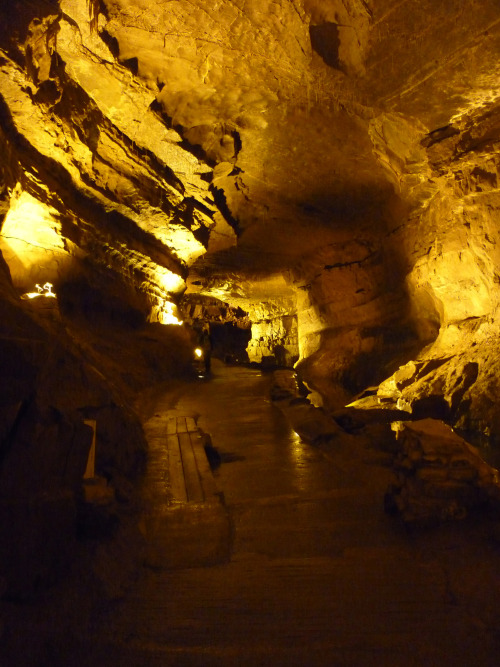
(315, 180)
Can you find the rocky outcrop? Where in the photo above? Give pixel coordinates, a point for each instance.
(331, 169)
(452, 252)
(312, 424)
(101, 179)
(440, 476)
(199, 308)
(454, 379)
(351, 309)
(274, 341)
(55, 375)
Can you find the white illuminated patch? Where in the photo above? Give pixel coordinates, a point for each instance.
(45, 290)
(171, 319)
(171, 282)
(167, 314)
(198, 352)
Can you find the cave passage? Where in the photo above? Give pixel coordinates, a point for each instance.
(318, 184)
(261, 456)
(317, 573)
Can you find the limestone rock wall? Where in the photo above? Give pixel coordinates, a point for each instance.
(197, 308)
(44, 443)
(56, 371)
(351, 310)
(329, 168)
(455, 258)
(274, 341)
(94, 163)
(452, 247)
(365, 306)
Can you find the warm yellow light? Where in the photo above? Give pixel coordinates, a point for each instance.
(198, 352)
(164, 312)
(171, 282)
(171, 319)
(31, 241)
(45, 290)
(31, 226)
(167, 314)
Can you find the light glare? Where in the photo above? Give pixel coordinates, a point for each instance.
(45, 290)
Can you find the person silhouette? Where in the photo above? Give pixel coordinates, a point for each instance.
(205, 343)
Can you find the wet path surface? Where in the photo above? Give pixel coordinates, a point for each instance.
(260, 454)
(318, 574)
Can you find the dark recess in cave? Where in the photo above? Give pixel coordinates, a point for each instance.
(111, 42)
(79, 299)
(326, 42)
(229, 342)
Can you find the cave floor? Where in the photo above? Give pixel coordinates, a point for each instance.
(318, 573)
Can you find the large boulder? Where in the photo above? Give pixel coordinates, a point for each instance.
(440, 476)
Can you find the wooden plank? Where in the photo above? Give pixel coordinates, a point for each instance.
(171, 426)
(176, 470)
(210, 490)
(191, 477)
(191, 424)
(181, 425)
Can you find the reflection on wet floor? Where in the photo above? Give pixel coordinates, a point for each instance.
(318, 574)
(267, 456)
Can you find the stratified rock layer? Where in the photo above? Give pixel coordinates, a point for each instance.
(329, 169)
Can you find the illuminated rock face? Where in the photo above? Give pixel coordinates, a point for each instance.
(275, 341)
(453, 282)
(329, 168)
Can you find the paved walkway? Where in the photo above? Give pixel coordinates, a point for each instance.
(318, 574)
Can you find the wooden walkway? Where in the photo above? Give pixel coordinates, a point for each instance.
(190, 478)
(185, 521)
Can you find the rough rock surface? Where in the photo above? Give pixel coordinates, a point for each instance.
(440, 476)
(55, 375)
(329, 168)
(313, 424)
(342, 173)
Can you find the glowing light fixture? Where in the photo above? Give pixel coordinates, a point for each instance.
(45, 290)
(198, 352)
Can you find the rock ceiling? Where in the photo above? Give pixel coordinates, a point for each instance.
(331, 160)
